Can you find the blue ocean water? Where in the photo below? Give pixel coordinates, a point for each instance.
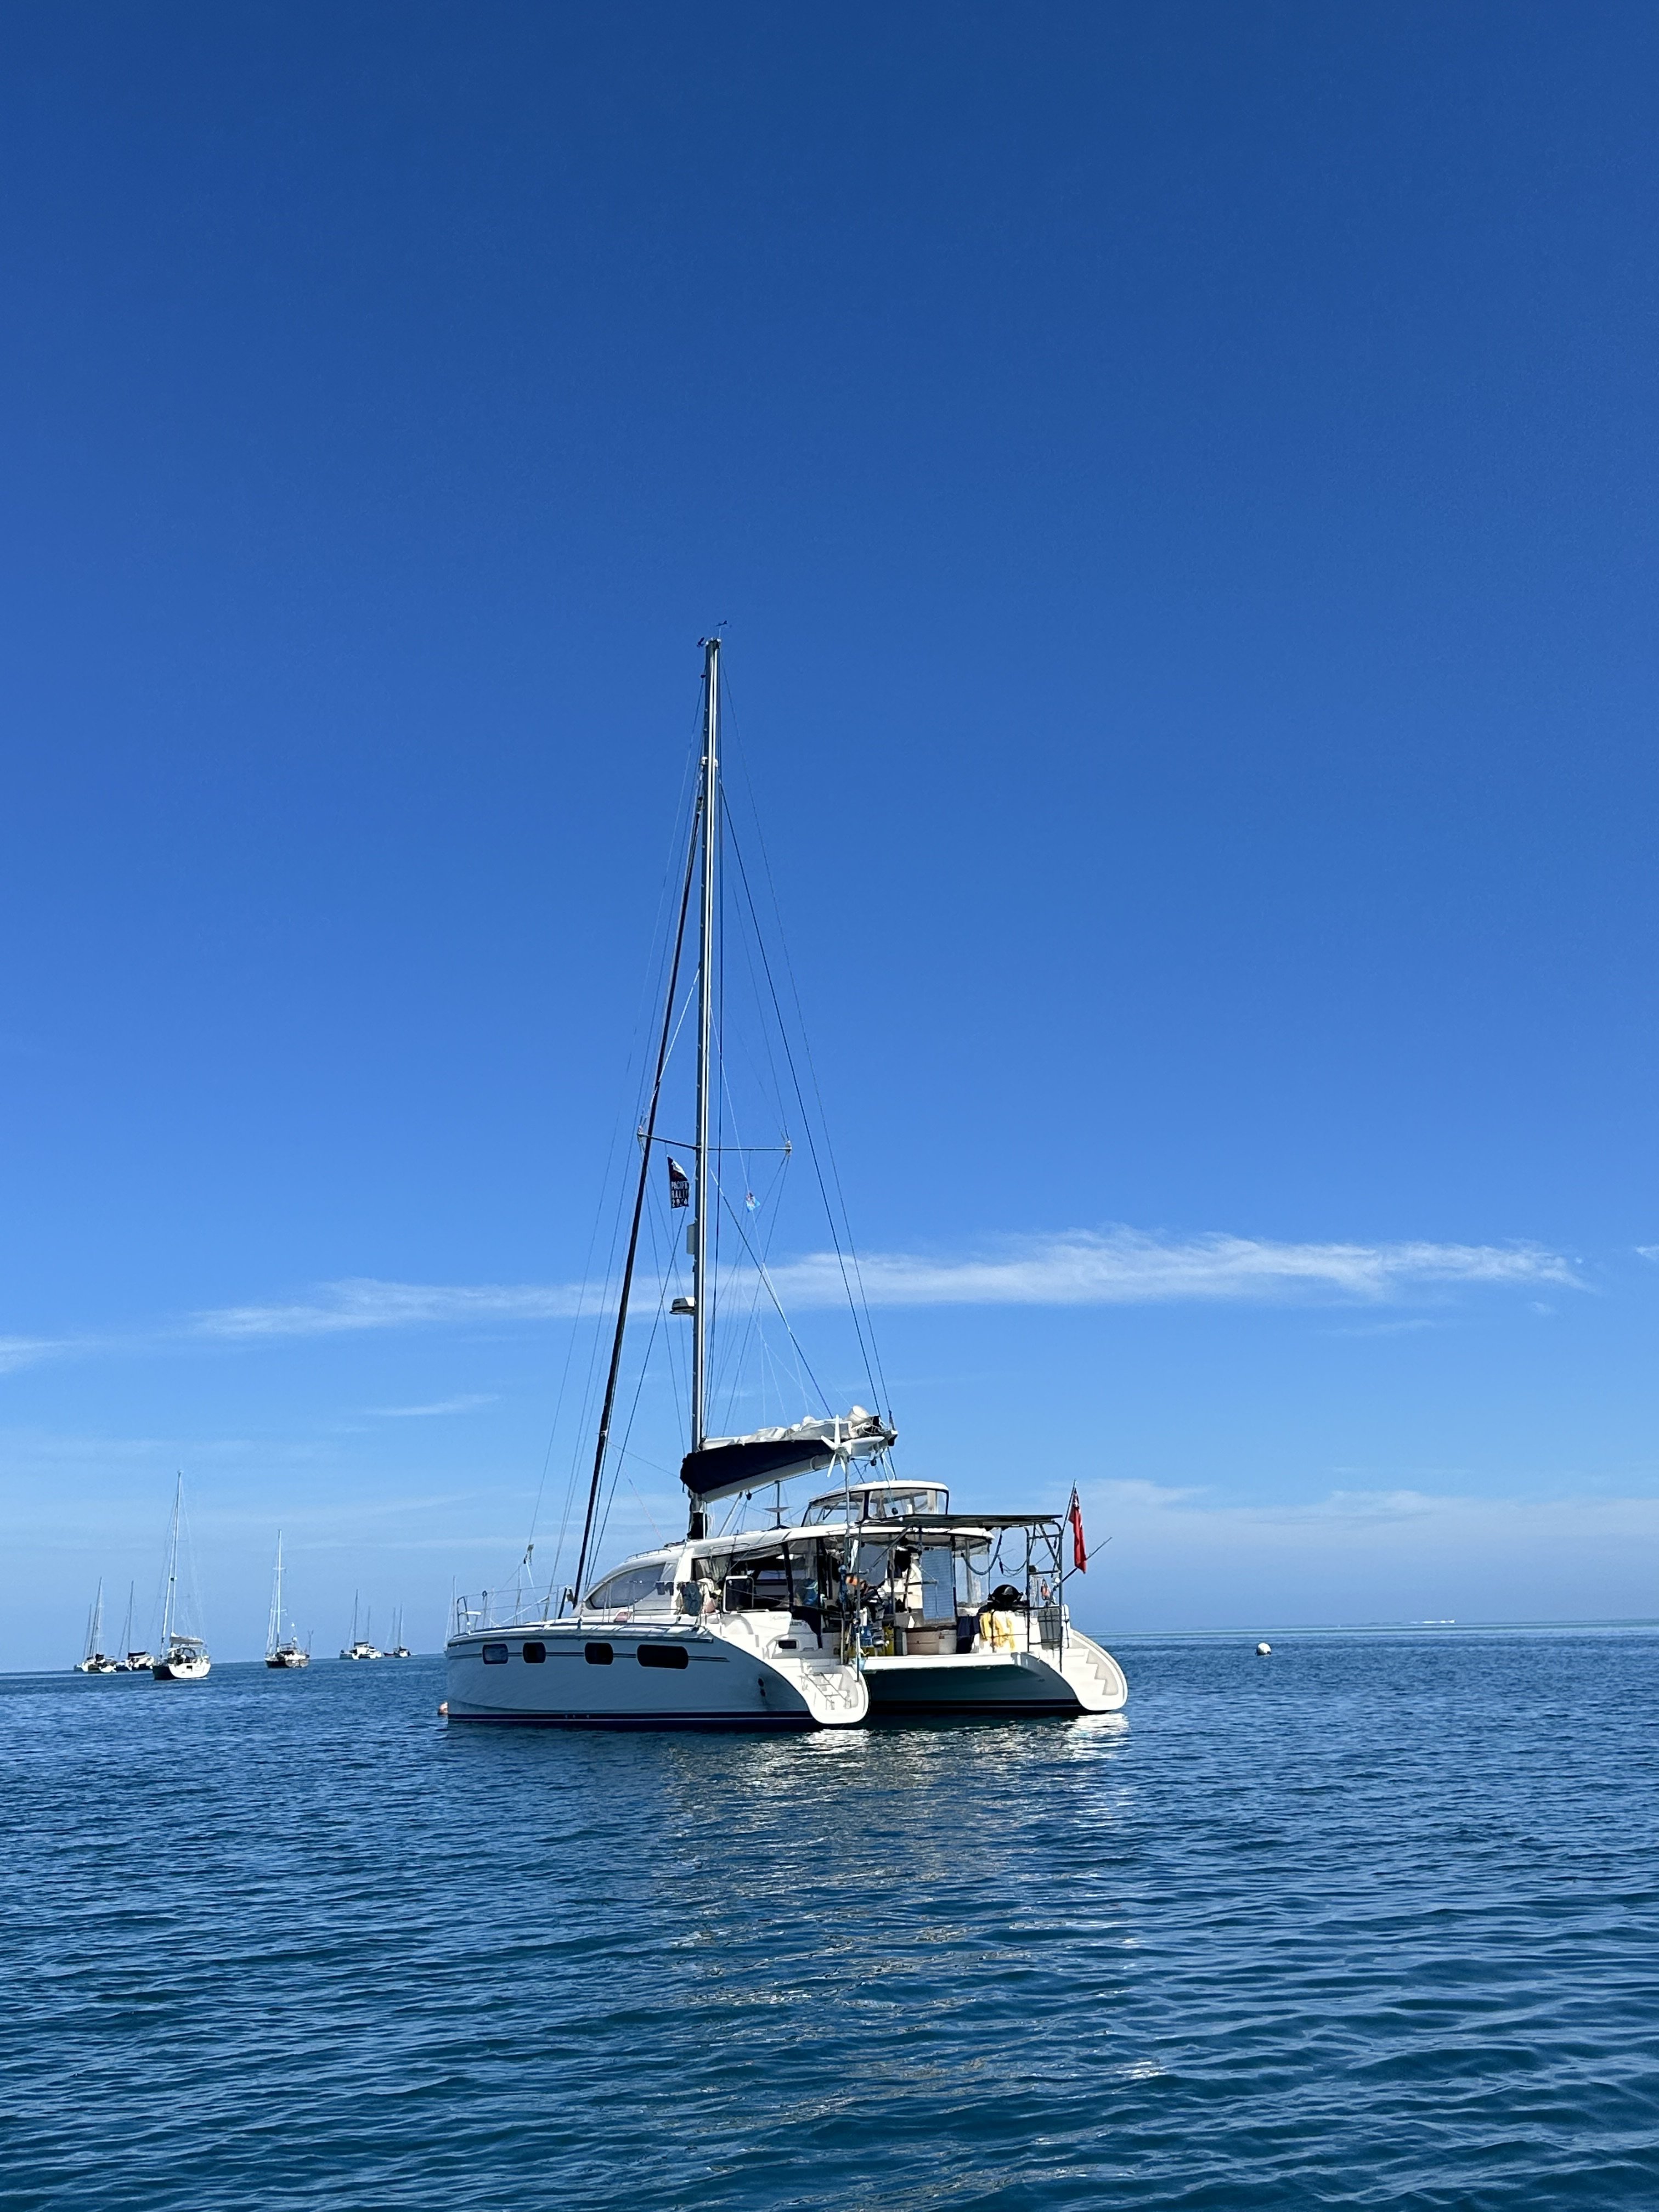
(1370, 1923)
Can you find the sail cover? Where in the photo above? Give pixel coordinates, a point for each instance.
(728, 1464)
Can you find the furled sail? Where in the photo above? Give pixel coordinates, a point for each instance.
(728, 1464)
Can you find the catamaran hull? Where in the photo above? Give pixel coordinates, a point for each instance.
(1083, 1679)
(687, 1680)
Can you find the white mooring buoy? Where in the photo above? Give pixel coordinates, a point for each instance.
(1264, 1651)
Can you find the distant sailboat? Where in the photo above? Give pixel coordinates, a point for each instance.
(281, 1651)
(399, 1649)
(360, 1646)
(92, 1661)
(182, 1658)
(132, 1663)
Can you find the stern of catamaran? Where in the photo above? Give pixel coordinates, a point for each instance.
(961, 1612)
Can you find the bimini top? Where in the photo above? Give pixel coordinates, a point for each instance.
(728, 1464)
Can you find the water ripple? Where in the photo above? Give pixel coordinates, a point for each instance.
(1372, 1923)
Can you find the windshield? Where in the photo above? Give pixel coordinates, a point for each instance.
(633, 1586)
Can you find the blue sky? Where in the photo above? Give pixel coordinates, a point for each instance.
(1181, 484)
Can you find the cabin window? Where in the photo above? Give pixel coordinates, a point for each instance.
(664, 1654)
(771, 1581)
(598, 1655)
(495, 1654)
(535, 1653)
(633, 1586)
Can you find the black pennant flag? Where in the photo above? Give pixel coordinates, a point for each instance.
(679, 1183)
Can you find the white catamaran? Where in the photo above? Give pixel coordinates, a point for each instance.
(877, 1598)
(182, 1658)
(360, 1647)
(286, 1652)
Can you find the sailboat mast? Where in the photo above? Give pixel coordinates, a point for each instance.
(172, 1567)
(274, 1631)
(702, 1289)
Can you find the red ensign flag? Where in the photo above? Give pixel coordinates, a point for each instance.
(1079, 1550)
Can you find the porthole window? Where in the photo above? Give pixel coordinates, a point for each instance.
(598, 1655)
(664, 1654)
(535, 1654)
(495, 1654)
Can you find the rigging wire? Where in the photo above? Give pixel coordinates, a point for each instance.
(730, 1352)
(753, 1328)
(857, 1302)
(711, 1288)
(639, 1206)
(649, 995)
(874, 1349)
(628, 1430)
(764, 1274)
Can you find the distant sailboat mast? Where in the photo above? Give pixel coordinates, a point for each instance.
(182, 1658)
(168, 1607)
(274, 1631)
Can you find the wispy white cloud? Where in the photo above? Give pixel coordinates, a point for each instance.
(362, 1303)
(1409, 1326)
(1125, 1266)
(29, 1350)
(1080, 1268)
(1347, 1514)
(1402, 1551)
(1121, 1267)
(465, 1405)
